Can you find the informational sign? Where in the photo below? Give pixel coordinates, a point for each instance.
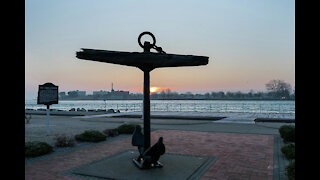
(48, 94)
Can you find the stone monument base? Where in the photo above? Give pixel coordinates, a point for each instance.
(121, 166)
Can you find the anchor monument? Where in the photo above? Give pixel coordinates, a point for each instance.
(145, 61)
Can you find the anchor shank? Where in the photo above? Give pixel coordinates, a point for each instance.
(146, 108)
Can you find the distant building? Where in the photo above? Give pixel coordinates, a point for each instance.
(62, 94)
(118, 94)
(100, 93)
(76, 93)
(96, 94)
(81, 93)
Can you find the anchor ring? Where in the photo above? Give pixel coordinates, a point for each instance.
(144, 33)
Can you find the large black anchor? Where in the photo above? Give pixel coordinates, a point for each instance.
(148, 158)
(145, 61)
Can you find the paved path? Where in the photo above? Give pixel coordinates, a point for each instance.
(240, 156)
(69, 125)
(244, 150)
(247, 118)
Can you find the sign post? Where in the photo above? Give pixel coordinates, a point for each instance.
(48, 120)
(47, 95)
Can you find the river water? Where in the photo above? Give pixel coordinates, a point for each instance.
(248, 106)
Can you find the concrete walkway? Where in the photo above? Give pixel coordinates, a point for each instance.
(36, 130)
(247, 118)
(244, 150)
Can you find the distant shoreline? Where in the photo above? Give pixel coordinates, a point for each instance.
(179, 99)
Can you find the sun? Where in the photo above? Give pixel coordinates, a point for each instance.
(154, 89)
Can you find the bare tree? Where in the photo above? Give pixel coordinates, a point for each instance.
(279, 88)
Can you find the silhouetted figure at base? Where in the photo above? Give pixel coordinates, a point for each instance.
(148, 158)
(138, 140)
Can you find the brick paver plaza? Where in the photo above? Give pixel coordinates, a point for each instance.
(240, 156)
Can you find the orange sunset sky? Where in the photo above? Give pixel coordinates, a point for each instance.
(248, 43)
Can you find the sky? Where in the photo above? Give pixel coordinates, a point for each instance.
(248, 42)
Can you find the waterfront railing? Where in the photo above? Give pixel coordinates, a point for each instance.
(193, 107)
(181, 107)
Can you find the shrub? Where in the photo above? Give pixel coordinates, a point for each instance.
(36, 148)
(287, 133)
(289, 151)
(91, 136)
(65, 141)
(110, 111)
(291, 170)
(111, 132)
(126, 128)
